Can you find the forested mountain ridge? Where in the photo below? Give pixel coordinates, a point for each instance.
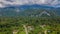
(28, 10)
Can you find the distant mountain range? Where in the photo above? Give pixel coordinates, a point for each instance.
(28, 10)
(33, 6)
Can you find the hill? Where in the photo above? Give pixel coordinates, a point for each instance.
(29, 10)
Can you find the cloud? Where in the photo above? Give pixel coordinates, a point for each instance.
(4, 3)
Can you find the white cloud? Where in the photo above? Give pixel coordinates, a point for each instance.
(3, 3)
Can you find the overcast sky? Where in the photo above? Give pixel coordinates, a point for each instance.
(4, 3)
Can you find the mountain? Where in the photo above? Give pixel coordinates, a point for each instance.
(29, 10)
(31, 6)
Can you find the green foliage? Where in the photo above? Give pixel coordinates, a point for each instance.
(8, 24)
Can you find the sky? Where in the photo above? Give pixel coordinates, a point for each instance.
(5, 3)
